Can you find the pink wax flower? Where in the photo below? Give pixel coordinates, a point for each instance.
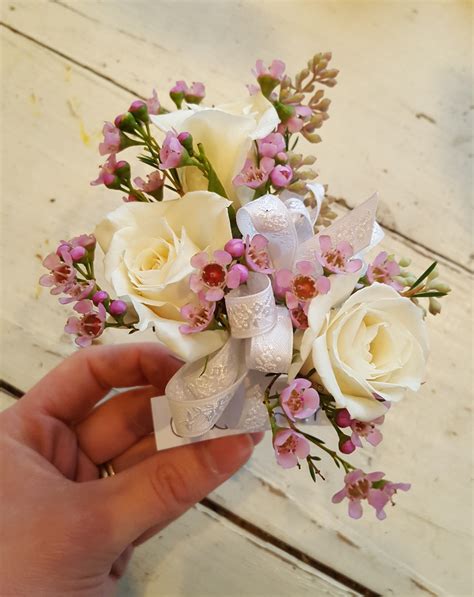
(77, 292)
(153, 103)
(179, 87)
(62, 274)
(118, 308)
(281, 176)
(235, 246)
(172, 153)
(111, 142)
(90, 325)
(270, 145)
(295, 123)
(112, 172)
(337, 260)
(99, 297)
(253, 176)
(256, 254)
(299, 315)
(253, 89)
(241, 270)
(196, 93)
(302, 286)
(360, 486)
(290, 446)
(346, 446)
(274, 71)
(299, 400)
(383, 270)
(213, 276)
(198, 317)
(154, 181)
(360, 429)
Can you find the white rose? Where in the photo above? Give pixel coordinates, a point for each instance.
(375, 343)
(148, 248)
(227, 133)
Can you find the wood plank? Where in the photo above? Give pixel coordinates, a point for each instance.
(401, 114)
(202, 554)
(382, 556)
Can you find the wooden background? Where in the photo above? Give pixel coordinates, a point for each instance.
(401, 123)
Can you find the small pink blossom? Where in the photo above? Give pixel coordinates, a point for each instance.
(242, 271)
(253, 176)
(90, 325)
(346, 446)
(99, 297)
(360, 429)
(179, 87)
(383, 270)
(62, 274)
(290, 446)
(337, 260)
(107, 172)
(274, 71)
(281, 176)
(299, 288)
(77, 292)
(235, 246)
(196, 93)
(118, 308)
(299, 400)
(256, 254)
(198, 317)
(213, 276)
(360, 486)
(154, 181)
(270, 145)
(111, 142)
(171, 152)
(153, 103)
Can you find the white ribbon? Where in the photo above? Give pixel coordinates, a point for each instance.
(227, 387)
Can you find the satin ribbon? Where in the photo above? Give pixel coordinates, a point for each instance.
(227, 388)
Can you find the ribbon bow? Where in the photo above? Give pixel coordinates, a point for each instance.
(227, 387)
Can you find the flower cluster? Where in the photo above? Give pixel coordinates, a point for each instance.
(71, 274)
(223, 200)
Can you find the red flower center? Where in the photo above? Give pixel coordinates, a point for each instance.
(213, 275)
(92, 325)
(62, 273)
(304, 287)
(300, 316)
(358, 490)
(288, 446)
(295, 401)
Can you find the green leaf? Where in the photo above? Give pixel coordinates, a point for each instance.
(424, 275)
(433, 293)
(214, 184)
(311, 470)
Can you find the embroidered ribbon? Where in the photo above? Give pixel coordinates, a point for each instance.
(227, 387)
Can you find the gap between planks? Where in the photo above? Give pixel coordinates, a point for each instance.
(402, 237)
(255, 530)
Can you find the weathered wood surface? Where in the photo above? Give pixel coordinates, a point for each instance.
(55, 105)
(206, 555)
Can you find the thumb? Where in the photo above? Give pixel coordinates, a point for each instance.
(161, 488)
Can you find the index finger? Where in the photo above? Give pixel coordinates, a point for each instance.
(70, 390)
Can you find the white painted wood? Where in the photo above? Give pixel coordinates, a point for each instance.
(401, 116)
(202, 554)
(53, 107)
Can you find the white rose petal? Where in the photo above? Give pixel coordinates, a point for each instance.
(226, 133)
(148, 248)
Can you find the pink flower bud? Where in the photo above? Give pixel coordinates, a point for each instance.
(346, 446)
(235, 246)
(183, 137)
(99, 297)
(281, 157)
(77, 253)
(117, 307)
(242, 270)
(343, 418)
(281, 176)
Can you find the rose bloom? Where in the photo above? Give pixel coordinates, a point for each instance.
(366, 348)
(148, 249)
(227, 133)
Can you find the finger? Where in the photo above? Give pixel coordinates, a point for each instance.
(117, 424)
(71, 389)
(161, 488)
(142, 450)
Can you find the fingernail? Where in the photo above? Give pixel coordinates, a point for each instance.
(226, 455)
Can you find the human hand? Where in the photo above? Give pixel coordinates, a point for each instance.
(64, 530)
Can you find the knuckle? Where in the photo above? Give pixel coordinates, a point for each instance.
(172, 489)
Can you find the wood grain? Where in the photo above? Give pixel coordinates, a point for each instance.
(55, 107)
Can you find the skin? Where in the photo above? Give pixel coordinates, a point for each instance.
(64, 530)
